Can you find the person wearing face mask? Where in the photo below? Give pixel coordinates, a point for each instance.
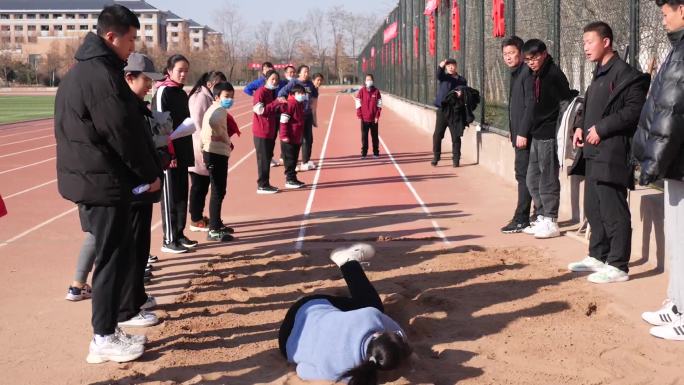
(291, 132)
(200, 99)
(368, 108)
(289, 74)
(340, 338)
(266, 109)
(101, 156)
(216, 148)
(659, 148)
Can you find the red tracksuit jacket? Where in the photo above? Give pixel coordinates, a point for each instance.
(368, 104)
(292, 121)
(266, 109)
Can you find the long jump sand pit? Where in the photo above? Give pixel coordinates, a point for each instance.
(473, 316)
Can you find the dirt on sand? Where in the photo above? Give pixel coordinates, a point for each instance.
(473, 316)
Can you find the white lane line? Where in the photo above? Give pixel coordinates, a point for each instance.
(39, 226)
(28, 165)
(309, 203)
(26, 140)
(438, 230)
(32, 149)
(24, 132)
(30, 189)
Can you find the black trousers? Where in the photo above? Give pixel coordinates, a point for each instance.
(264, 154)
(373, 128)
(307, 140)
(111, 226)
(605, 206)
(289, 152)
(441, 125)
(362, 292)
(174, 203)
(199, 188)
(133, 291)
(218, 173)
(522, 209)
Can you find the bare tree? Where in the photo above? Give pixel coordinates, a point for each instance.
(354, 26)
(315, 20)
(262, 36)
(336, 17)
(288, 36)
(233, 27)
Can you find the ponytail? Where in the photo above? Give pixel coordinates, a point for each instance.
(385, 352)
(208, 77)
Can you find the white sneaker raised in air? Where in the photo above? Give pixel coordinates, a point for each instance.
(673, 331)
(359, 252)
(663, 316)
(113, 348)
(532, 228)
(141, 320)
(587, 264)
(548, 228)
(609, 274)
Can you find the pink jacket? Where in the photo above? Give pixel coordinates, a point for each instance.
(199, 104)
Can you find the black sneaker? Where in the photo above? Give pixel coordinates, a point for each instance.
(457, 164)
(514, 227)
(185, 241)
(267, 190)
(227, 229)
(219, 236)
(174, 248)
(152, 259)
(294, 184)
(148, 274)
(434, 162)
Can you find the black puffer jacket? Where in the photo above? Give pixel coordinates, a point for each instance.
(610, 162)
(175, 100)
(102, 150)
(659, 140)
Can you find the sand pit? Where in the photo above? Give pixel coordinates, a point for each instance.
(473, 316)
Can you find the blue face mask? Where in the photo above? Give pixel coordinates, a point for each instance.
(300, 97)
(226, 103)
(270, 87)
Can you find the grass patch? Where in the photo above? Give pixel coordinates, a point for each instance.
(20, 108)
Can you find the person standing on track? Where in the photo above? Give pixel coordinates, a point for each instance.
(311, 93)
(266, 109)
(449, 80)
(368, 108)
(291, 132)
(101, 156)
(171, 97)
(259, 82)
(201, 99)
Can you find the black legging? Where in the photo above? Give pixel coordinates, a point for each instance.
(363, 294)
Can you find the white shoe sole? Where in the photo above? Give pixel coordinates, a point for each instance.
(99, 359)
(293, 186)
(198, 229)
(190, 246)
(616, 280)
(137, 324)
(261, 192)
(171, 251)
(547, 236)
(74, 298)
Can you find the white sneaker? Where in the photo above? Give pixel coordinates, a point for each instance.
(609, 274)
(134, 339)
(114, 349)
(304, 167)
(587, 264)
(532, 228)
(150, 303)
(673, 331)
(548, 228)
(663, 316)
(141, 320)
(311, 165)
(359, 252)
(274, 163)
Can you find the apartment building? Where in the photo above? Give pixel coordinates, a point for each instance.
(34, 27)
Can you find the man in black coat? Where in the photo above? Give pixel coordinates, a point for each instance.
(519, 100)
(659, 148)
(449, 80)
(102, 155)
(611, 112)
(549, 88)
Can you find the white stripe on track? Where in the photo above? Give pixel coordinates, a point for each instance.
(23, 132)
(309, 203)
(39, 226)
(30, 189)
(28, 165)
(26, 140)
(32, 149)
(438, 230)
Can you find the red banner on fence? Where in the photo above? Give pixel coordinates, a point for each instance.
(257, 66)
(499, 18)
(455, 27)
(416, 40)
(390, 32)
(432, 36)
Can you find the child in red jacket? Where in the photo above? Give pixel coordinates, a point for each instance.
(266, 109)
(368, 108)
(291, 134)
